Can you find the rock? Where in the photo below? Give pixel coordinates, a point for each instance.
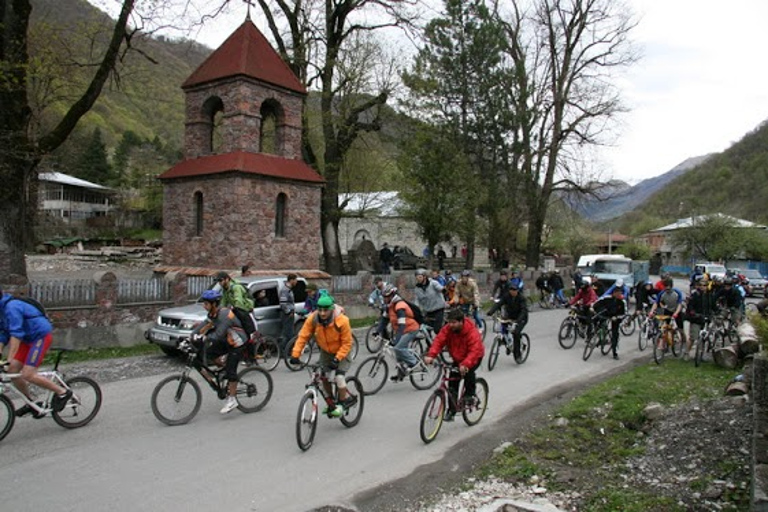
(561, 422)
(653, 411)
(503, 446)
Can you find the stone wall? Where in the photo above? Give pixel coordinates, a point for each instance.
(234, 234)
(760, 433)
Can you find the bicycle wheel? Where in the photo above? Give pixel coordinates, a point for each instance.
(424, 376)
(544, 301)
(698, 356)
(351, 416)
(176, 400)
(83, 406)
(373, 341)
(605, 340)
(373, 373)
(418, 345)
(566, 336)
(254, 389)
(305, 357)
(268, 353)
(677, 343)
(659, 348)
(474, 412)
(432, 417)
(525, 349)
(493, 355)
(306, 421)
(627, 326)
(355, 348)
(589, 346)
(642, 337)
(7, 416)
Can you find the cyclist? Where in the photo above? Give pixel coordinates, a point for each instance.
(376, 301)
(659, 286)
(429, 297)
(514, 277)
(235, 296)
(645, 296)
(466, 349)
(404, 330)
(468, 295)
(436, 276)
(449, 292)
(221, 334)
(583, 301)
(699, 308)
(670, 302)
(556, 283)
(500, 286)
(619, 283)
(542, 285)
(613, 308)
(730, 298)
(515, 309)
(27, 332)
(333, 334)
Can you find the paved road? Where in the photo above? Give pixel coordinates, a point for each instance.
(126, 460)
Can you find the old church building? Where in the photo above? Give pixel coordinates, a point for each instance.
(242, 194)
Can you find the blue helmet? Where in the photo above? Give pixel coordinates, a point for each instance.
(211, 296)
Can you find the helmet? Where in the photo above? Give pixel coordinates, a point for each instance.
(389, 290)
(648, 282)
(466, 273)
(619, 283)
(585, 282)
(513, 286)
(211, 296)
(325, 302)
(420, 272)
(728, 280)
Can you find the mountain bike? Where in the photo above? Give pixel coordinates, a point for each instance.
(442, 400)
(647, 330)
(628, 324)
(668, 338)
(705, 343)
(506, 340)
(599, 336)
(312, 351)
(547, 299)
(373, 341)
(306, 419)
(262, 350)
(724, 330)
(374, 370)
(574, 326)
(176, 399)
(77, 412)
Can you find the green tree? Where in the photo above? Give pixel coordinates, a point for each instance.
(717, 238)
(93, 164)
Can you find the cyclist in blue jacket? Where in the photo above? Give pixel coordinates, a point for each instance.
(27, 332)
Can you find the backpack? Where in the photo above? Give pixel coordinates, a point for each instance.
(34, 303)
(418, 316)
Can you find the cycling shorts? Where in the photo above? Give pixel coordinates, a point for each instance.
(32, 354)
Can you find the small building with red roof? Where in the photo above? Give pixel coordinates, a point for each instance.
(242, 194)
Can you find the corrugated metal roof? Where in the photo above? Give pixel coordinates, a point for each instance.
(241, 161)
(689, 222)
(246, 53)
(66, 179)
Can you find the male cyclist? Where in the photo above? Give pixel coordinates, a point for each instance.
(619, 283)
(404, 330)
(500, 286)
(730, 298)
(235, 296)
(700, 306)
(612, 308)
(670, 302)
(287, 310)
(515, 309)
(645, 296)
(429, 297)
(556, 283)
(27, 332)
(333, 334)
(468, 296)
(466, 349)
(221, 334)
(583, 301)
(376, 301)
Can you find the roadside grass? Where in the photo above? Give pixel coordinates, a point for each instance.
(604, 425)
(91, 354)
(366, 321)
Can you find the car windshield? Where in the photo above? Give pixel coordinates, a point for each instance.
(715, 269)
(751, 273)
(612, 267)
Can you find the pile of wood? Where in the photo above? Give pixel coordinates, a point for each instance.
(747, 344)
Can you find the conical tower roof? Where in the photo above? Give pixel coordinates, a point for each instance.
(246, 53)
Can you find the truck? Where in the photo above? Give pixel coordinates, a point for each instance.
(608, 268)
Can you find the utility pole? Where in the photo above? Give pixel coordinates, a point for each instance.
(609, 241)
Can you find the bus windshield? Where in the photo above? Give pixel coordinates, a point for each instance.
(612, 267)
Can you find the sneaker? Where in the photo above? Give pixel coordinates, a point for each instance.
(337, 411)
(399, 374)
(616, 356)
(350, 401)
(509, 350)
(449, 416)
(23, 410)
(59, 401)
(229, 406)
(471, 401)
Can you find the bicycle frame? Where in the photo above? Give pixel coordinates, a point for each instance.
(7, 384)
(317, 387)
(214, 382)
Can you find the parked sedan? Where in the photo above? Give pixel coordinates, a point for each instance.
(405, 258)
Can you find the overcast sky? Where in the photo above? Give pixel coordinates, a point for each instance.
(701, 85)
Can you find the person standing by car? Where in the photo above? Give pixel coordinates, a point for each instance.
(287, 310)
(235, 296)
(429, 297)
(466, 349)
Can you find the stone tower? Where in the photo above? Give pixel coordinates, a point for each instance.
(242, 194)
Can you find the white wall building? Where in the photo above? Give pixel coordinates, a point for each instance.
(71, 199)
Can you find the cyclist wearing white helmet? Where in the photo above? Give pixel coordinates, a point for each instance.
(404, 330)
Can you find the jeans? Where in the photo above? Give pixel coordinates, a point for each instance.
(402, 352)
(561, 296)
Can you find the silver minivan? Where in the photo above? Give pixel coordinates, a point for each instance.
(173, 324)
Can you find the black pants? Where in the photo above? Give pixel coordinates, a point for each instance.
(245, 320)
(219, 348)
(434, 319)
(470, 381)
(615, 335)
(516, 336)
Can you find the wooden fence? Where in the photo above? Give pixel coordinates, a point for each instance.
(143, 290)
(64, 292)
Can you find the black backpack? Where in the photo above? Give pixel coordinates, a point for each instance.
(33, 302)
(416, 310)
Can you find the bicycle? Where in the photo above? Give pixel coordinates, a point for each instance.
(374, 370)
(264, 351)
(667, 338)
(547, 299)
(705, 343)
(374, 341)
(472, 408)
(647, 330)
(599, 335)
(469, 311)
(176, 399)
(574, 326)
(306, 419)
(77, 412)
(311, 350)
(724, 331)
(628, 324)
(507, 340)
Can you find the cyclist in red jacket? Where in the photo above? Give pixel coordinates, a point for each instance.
(465, 346)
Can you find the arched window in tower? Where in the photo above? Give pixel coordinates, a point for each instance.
(198, 212)
(281, 207)
(271, 127)
(213, 112)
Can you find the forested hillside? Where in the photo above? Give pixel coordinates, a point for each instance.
(734, 182)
